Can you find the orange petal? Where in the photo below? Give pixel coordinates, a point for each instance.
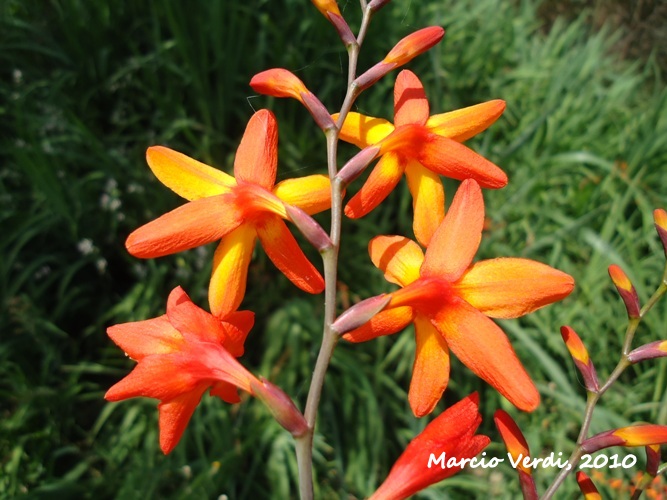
(451, 159)
(363, 131)
(191, 225)
(185, 176)
(510, 287)
(143, 338)
(428, 201)
(414, 44)
(285, 253)
(513, 438)
(462, 124)
(483, 347)
(225, 391)
(256, 158)
(237, 326)
(380, 183)
(410, 104)
(430, 372)
(587, 487)
(384, 323)
(230, 270)
(399, 258)
(174, 418)
(192, 321)
(312, 193)
(642, 435)
(278, 82)
(326, 6)
(455, 242)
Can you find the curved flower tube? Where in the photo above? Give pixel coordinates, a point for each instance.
(182, 354)
(450, 300)
(235, 211)
(422, 147)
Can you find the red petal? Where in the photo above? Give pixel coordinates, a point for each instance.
(237, 326)
(174, 418)
(143, 338)
(192, 321)
(257, 156)
(455, 242)
(226, 391)
(410, 104)
(285, 253)
(194, 224)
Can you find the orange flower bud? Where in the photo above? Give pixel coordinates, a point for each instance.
(660, 218)
(587, 487)
(581, 358)
(626, 290)
(657, 349)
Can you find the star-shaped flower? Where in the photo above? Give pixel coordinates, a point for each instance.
(423, 147)
(235, 211)
(450, 302)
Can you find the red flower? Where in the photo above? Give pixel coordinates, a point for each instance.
(451, 433)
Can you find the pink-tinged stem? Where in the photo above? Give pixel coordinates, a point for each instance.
(304, 443)
(594, 397)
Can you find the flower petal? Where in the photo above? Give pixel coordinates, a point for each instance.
(428, 201)
(462, 124)
(362, 130)
(237, 326)
(185, 176)
(456, 241)
(194, 224)
(230, 270)
(400, 258)
(410, 104)
(285, 253)
(451, 159)
(225, 391)
(430, 372)
(143, 338)
(312, 193)
(380, 183)
(510, 287)
(384, 323)
(256, 158)
(484, 348)
(174, 417)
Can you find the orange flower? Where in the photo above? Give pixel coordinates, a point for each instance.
(235, 211)
(634, 435)
(450, 302)
(422, 463)
(423, 148)
(182, 354)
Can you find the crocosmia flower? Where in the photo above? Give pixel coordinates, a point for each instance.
(185, 352)
(235, 211)
(450, 300)
(423, 147)
(180, 355)
(427, 459)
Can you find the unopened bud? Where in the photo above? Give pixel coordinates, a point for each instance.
(652, 459)
(360, 313)
(581, 358)
(634, 435)
(376, 5)
(587, 487)
(626, 290)
(652, 350)
(660, 219)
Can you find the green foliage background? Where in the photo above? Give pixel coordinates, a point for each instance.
(87, 86)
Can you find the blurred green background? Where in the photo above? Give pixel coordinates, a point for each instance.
(86, 86)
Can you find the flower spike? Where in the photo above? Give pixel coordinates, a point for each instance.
(450, 301)
(626, 290)
(582, 360)
(428, 458)
(587, 487)
(420, 146)
(517, 447)
(235, 211)
(403, 52)
(279, 82)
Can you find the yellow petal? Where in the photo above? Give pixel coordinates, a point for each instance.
(400, 258)
(430, 372)
(428, 201)
(185, 176)
(510, 287)
(312, 193)
(462, 124)
(230, 270)
(362, 130)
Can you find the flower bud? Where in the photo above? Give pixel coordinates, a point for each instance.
(634, 435)
(360, 313)
(660, 218)
(652, 459)
(581, 358)
(376, 5)
(626, 290)
(657, 349)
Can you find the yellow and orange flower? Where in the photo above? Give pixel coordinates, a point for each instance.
(423, 147)
(235, 211)
(453, 434)
(183, 353)
(450, 302)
